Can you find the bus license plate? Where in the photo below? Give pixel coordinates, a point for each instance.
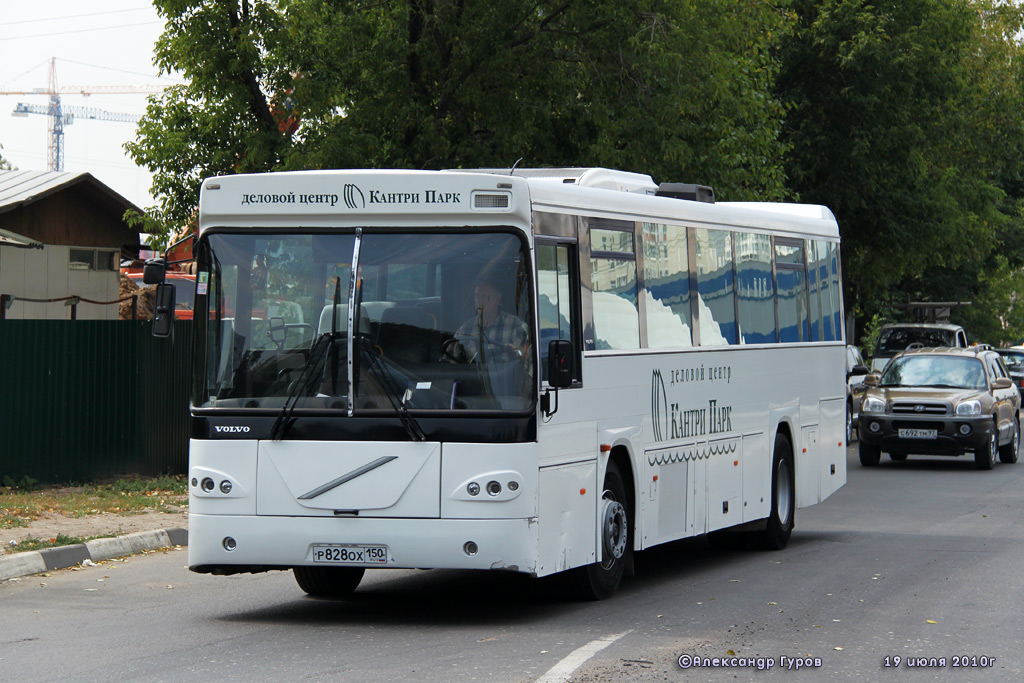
(350, 554)
(918, 433)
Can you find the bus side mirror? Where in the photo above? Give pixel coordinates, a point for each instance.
(154, 272)
(163, 316)
(560, 363)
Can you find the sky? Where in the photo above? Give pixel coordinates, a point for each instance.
(95, 43)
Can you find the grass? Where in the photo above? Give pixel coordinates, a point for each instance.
(32, 543)
(18, 507)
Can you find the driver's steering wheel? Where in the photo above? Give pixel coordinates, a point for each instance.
(449, 351)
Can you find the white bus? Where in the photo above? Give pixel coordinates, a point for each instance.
(536, 371)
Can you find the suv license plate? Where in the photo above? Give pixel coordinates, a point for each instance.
(350, 554)
(918, 433)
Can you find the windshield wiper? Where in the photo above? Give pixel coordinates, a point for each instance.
(383, 377)
(302, 387)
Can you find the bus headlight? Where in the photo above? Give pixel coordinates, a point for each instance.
(873, 404)
(969, 408)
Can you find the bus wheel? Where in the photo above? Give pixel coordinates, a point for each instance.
(600, 580)
(783, 513)
(328, 582)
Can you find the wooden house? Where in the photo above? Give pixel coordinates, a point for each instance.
(61, 235)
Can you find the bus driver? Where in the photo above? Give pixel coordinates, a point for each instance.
(491, 334)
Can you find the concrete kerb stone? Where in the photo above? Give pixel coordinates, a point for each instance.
(96, 550)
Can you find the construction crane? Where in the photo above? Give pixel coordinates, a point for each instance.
(61, 115)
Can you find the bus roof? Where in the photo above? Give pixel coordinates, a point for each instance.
(480, 196)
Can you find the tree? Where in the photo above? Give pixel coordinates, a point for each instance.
(4, 164)
(905, 121)
(678, 90)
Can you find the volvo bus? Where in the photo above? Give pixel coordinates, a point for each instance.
(536, 371)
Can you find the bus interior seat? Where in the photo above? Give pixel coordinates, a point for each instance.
(327, 315)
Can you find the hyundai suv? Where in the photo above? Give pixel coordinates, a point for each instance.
(941, 401)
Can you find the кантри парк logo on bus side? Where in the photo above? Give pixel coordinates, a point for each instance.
(669, 421)
(659, 405)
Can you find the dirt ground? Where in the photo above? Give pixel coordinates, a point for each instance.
(49, 525)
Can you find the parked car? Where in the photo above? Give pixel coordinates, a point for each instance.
(941, 401)
(1013, 358)
(856, 370)
(894, 338)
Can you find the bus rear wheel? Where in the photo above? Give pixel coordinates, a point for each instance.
(328, 582)
(783, 513)
(600, 580)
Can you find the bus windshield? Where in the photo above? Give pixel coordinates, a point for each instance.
(440, 322)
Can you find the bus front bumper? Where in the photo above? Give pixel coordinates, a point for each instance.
(234, 544)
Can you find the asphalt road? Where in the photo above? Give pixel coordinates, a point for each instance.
(921, 559)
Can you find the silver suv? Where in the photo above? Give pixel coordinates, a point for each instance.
(894, 338)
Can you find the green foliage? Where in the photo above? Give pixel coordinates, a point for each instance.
(869, 339)
(33, 543)
(678, 90)
(26, 483)
(4, 164)
(906, 121)
(997, 315)
(173, 484)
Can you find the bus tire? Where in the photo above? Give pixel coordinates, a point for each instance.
(783, 512)
(328, 582)
(600, 580)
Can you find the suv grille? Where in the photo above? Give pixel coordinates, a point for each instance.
(919, 408)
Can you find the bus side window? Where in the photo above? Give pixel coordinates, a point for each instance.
(557, 286)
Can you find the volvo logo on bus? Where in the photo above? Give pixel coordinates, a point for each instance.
(352, 193)
(230, 429)
(659, 405)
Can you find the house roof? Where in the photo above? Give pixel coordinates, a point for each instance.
(13, 239)
(18, 188)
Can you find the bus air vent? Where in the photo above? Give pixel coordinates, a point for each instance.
(694, 193)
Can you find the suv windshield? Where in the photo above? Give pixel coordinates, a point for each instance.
(439, 319)
(895, 339)
(932, 370)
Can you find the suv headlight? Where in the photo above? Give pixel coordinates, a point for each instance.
(873, 404)
(969, 408)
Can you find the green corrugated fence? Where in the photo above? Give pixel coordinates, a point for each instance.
(91, 399)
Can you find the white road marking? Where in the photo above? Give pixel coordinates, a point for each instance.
(561, 672)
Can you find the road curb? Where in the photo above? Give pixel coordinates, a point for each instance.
(96, 550)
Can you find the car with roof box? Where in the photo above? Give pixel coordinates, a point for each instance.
(941, 401)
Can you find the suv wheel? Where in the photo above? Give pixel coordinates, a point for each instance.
(849, 423)
(1008, 453)
(869, 455)
(985, 458)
